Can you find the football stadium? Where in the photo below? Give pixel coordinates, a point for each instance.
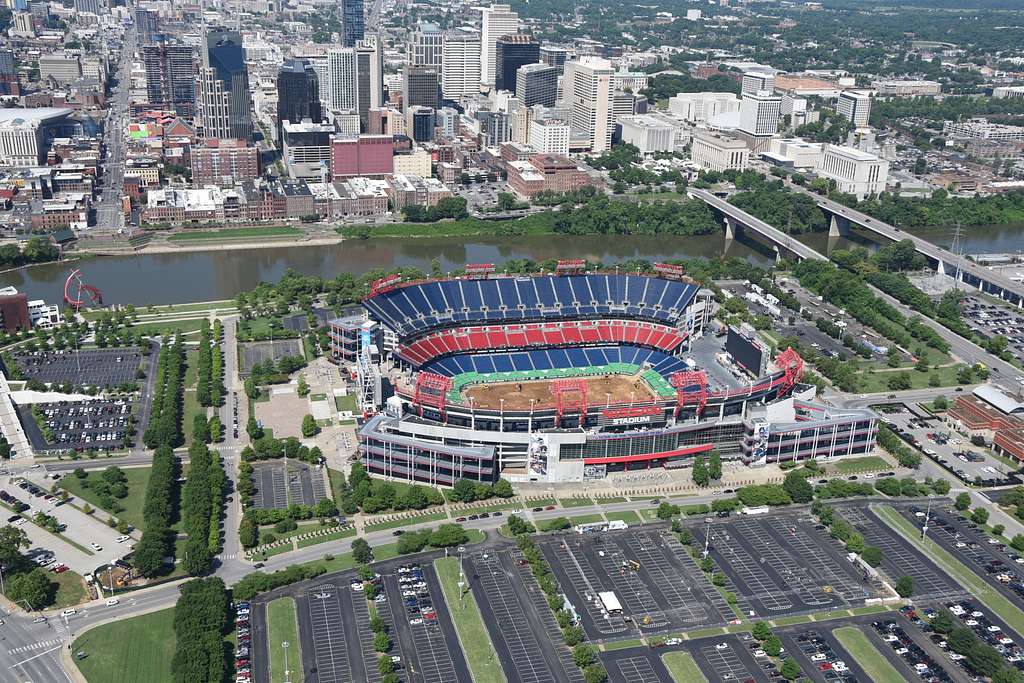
(569, 375)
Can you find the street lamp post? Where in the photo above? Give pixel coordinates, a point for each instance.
(707, 537)
(927, 517)
(287, 674)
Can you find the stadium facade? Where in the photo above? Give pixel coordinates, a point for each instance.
(567, 376)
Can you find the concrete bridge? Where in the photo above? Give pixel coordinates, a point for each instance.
(991, 282)
(736, 221)
(841, 218)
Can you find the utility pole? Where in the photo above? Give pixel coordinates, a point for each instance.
(927, 517)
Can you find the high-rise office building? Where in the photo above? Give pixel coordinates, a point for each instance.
(421, 123)
(224, 108)
(369, 77)
(512, 52)
(494, 127)
(147, 25)
(298, 93)
(170, 76)
(342, 90)
(420, 87)
(460, 65)
(757, 81)
(7, 62)
(588, 93)
(496, 21)
(759, 113)
(855, 106)
(90, 6)
(352, 27)
(537, 84)
(554, 56)
(425, 45)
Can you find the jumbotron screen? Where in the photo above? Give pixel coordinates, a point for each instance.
(744, 352)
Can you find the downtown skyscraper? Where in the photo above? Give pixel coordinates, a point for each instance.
(224, 108)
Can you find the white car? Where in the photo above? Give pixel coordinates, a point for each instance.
(722, 646)
(122, 539)
(357, 585)
(96, 546)
(110, 602)
(70, 612)
(415, 622)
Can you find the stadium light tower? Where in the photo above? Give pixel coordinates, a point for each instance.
(707, 537)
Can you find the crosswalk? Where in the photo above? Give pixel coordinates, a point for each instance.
(227, 556)
(43, 644)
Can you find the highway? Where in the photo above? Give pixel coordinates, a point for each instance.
(929, 249)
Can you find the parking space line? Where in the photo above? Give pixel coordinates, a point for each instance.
(329, 645)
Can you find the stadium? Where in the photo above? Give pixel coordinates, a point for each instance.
(567, 376)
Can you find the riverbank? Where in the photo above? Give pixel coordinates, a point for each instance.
(226, 244)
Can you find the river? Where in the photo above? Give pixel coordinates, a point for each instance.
(209, 275)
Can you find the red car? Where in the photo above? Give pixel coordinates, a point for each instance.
(550, 507)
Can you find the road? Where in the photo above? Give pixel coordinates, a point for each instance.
(109, 214)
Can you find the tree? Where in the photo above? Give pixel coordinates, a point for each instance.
(502, 489)
(385, 665)
(701, 476)
(773, 645)
(33, 587)
(798, 488)
(667, 511)
(872, 555)
(940, 403)
(905, 586)
(464, 491)
(962, 502)
(943, 621)
(381, 642)
(517, 525)
(448, 536)
(12, 540)
(361, 551)
(303, 387)
(1017, 542)
(762, 630)
(595, 673)
(979, 515)
(584, 655)
(253, 429)
(998, 529)
(984, 661)
(309, 426)
(790, 669)
(715, 465)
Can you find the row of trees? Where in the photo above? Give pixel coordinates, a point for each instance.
(201, 620)
(202, 498)
(603, 216)
(445, 536)
(157, 540)
(209, 384)
(165, 414)
(449, 207)
(843, 288)
(843, 531)
(362, 492)
(981, 658)
(36, 250)
(895, 446)
(25, 583)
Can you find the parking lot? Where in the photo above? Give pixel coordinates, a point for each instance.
(821, 657)
(783, 564)
(99, 424)
(989, 319)
(280, 484)
(989, 629)
(251, 353)
(334, 624)
(91, 367)
(899, 558)
(934, 439)
(997, 563)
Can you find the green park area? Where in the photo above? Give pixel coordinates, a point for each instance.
(870, 463)
(129, 650)
(473, 637)
(867, 655)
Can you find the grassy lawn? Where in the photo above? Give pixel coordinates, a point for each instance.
(191, 368)
(586, 519)
(473, 637)
(649, 514)
(129, 650)
(303, 528)
(575, 502)
(336, 536)
(622, 644)
(682, 667)
(536, 224)
(191, 325)
(606, 501)
(864, 653)
(235, 233)
(869, 463)
(919, 380)
(395, 523)
(627, 516)
(347, 402)
(977, 586)
(190, 408)
(189, 307)
(138, 478)
(70, 589)
(283, 627)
